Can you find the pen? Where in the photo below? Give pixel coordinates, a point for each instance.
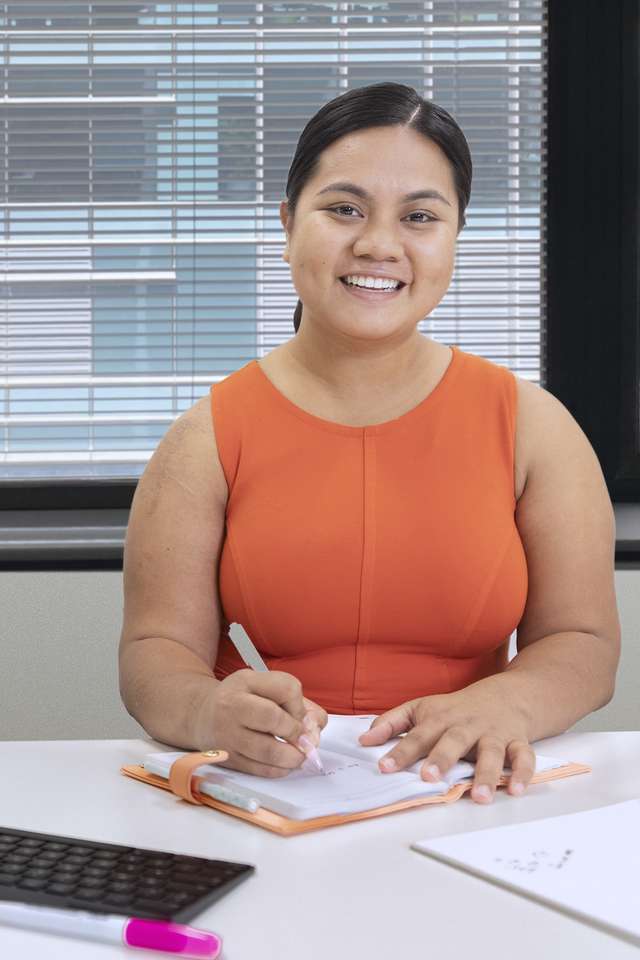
(230, 796)
(253, 659)
(164, 935)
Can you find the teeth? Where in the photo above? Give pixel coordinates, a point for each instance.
(372, 283)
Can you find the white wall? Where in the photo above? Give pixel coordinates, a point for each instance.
(58, 665)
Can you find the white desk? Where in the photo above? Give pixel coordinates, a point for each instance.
(354, 892)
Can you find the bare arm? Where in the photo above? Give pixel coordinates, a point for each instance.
(569, 635)
(172, 612)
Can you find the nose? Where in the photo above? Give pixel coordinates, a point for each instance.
(379, 239)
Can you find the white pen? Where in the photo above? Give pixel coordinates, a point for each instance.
(253, 659)
(175, 938)
(227, 795)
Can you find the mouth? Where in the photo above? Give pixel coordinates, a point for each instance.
(370, 293)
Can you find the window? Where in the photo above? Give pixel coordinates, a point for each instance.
(145, 151)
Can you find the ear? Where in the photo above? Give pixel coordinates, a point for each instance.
(284, 220)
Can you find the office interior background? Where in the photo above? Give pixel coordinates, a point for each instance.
(145, 149)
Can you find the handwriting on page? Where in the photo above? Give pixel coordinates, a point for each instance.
(331, 767)
(539, 860)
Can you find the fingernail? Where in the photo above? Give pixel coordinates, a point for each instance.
(433, 771)
(305, 744)
(481, 793)
(388, 764)
(314, 760)
(517, 788)
(309, 723)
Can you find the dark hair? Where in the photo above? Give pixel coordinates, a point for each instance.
(379, 105)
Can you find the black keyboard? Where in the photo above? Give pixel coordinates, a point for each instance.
(77, 874)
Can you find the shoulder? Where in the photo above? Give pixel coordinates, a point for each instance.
(546, 432)
(187, 456)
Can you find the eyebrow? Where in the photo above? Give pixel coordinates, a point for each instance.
(346, 187)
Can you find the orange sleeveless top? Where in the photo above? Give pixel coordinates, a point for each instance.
(376, 564)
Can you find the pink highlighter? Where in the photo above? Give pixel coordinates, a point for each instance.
(173, 938)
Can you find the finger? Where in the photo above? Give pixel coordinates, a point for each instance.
(265, 716)
(282, 688)
(314, 721)
(414, 746)
(446, 750)
(238, 761)
(387, 725)
(522, 760)
(316, 712)
(489, 763)
(265, 749)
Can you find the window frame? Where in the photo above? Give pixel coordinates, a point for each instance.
(593, 130)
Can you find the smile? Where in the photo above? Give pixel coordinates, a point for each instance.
(371, 293)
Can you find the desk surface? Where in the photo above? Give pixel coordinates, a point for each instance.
(354, 891)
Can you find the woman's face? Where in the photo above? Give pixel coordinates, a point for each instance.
(353, 218)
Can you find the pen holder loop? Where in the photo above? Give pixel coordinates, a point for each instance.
(181, 779)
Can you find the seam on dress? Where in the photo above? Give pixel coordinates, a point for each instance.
(362, 562)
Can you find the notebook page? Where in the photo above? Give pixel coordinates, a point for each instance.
(341, 736)
(348, 786)
(586, 864)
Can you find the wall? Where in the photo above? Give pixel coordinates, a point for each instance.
(58, 666)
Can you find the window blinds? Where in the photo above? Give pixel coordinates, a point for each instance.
(145, 149)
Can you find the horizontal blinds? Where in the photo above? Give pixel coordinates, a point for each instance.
(145, 150)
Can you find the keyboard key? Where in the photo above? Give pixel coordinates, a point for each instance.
(42, 862)
(19, 858)
(91, 883)
(87, 893)
(122, 886)
(61, 888)
(29, 884)
(35, 873)
(51, 855)
(95, 872)
(75, 861)
(117, 899)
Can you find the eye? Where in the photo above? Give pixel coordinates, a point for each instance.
(342, 206)
(423, 213)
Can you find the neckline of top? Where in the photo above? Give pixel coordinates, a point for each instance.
(348, 429)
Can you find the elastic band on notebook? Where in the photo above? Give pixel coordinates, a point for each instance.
(181, 779)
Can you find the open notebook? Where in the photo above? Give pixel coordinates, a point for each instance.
(352, 782)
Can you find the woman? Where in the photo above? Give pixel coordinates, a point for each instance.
(380, 511)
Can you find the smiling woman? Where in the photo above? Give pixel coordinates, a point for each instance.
(378, 510)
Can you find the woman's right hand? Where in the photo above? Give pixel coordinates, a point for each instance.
(246, 712)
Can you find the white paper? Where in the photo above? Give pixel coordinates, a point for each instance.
(586, 864)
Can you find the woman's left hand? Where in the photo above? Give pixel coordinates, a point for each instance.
(476, 723)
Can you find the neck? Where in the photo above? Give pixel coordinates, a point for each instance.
(351, 369)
